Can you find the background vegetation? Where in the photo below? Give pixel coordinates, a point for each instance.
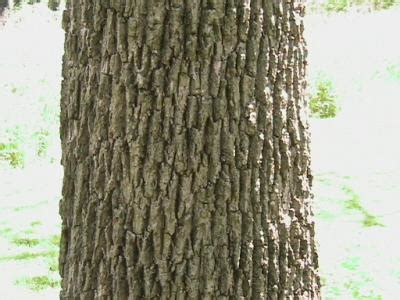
(332, 6)
(354, 83)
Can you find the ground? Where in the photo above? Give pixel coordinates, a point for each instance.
(355, 155)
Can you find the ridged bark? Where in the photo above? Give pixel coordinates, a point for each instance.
(186, 151)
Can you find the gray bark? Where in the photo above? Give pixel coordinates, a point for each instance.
(186, 151)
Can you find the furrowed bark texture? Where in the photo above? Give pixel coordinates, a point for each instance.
(186, 151)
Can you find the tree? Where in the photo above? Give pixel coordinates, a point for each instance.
(3, 6)
(186, 151)
(53, 4)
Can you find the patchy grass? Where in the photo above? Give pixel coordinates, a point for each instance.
(342, 6)
(30, 112)
(28, 242)
(389, 73)
(352, 263)
(55, 240)
(29, 255)
(359, 292)
(371, 220)
(36, 223)
(28, 231)
(38, 283)
(5, 231)
(356, 263)
(53, 264)
(30, 206)
(353, 202)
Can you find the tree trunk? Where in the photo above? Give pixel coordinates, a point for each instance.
(186, 151)
(3, 6)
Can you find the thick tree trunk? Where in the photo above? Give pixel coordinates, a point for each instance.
(185, 151)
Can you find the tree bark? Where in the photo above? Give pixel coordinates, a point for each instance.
(3, 6)
(186, 151)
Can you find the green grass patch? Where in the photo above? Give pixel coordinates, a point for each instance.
(353, 202)
(29, 255)
(356, 289)
(393, 72)
(53, 264)
(352, 263)
(30, 207)
(4, 231)
(35, 223)
(390, 73)
(38, 283)
(50, 256)
(55, 240)
(12, 153)
(11, 141)
(28, 242)
(340, 6)
(371, 220)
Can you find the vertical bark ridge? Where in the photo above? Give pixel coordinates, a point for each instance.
(185, 151)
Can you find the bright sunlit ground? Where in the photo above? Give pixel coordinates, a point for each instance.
(356, 158)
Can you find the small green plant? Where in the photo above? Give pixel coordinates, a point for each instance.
(323, 104)
(11, 146)
(11, 153)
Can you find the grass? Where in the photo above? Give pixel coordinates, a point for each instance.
(55, 240)
(29, 255)
(355, 264)
(28, 242)
(38, 283)
(30, 206)
(353, 202)
(53, 264)
(341, 6)
(6, 230)
(36, 223)
(31, 134)
(352, 263)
